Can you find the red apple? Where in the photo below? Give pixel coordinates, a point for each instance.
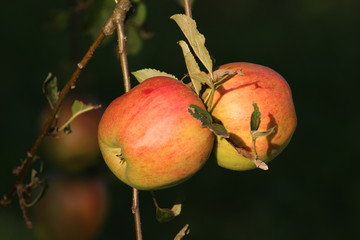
(79, 149)
(72, 209)
(233, 106)
(148, 138)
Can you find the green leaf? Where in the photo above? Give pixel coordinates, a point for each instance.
(36, 187)
(135, 42)
(196, 75)
(195, 38)
(257, 134)
(183, 232)
(139, 17)
(200, 114)
(164, 215)
(219, 130)
(207, 121)
(97, 15)
(146, 73)
(78, 108)
(255, 118)
(50, 89)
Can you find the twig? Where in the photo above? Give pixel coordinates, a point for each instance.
(187, 7)
(136, 211)
(123, 7)
(123, 54)
(21, 171)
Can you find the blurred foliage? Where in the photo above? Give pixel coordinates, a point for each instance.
(311, 190)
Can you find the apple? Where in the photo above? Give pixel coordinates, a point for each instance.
(79, 149)
(72, 209)
(233, 106)
(148, 138)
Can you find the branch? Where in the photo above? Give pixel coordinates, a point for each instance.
(21, 170)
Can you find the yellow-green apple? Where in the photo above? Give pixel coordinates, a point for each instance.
(233, 106)
(72, 209)
(148, 138)
(79, 149)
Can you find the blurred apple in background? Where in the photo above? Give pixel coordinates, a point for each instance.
(233, 106)
(72, 209)
(79, 149)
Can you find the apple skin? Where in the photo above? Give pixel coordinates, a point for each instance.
(161, 144)
(71, 209)
(232, 106)
(79, 149)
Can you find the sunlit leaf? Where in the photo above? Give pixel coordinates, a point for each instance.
(176, 209)
(183, 233)
(196, 75)
(146, 73)
(78, 108)
(195, 38)
(223, 75)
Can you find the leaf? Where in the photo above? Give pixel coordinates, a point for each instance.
(164, 215)
(197, 76)
(255, 118)
(209, 98)
(257, 134)
(50, 89)
(260, 164)
(207, 121)
(200, 114)
(176, 209)
(223, 75)
(36, 187)
(219, 130)
(97, 16)
(139, 17)
(146, 73)
(78, 108)
(195, 38)
(135, 42)
(183, 232)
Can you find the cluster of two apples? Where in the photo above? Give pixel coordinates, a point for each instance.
(150, 141)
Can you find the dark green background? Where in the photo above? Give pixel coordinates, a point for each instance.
(312, 190)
